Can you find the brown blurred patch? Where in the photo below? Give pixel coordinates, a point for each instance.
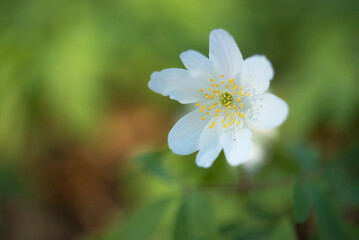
(81, 181)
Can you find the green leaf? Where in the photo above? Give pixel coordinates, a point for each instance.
(195, 219)
(329, 224)
(284, 230)
(306, 156)
(143, 223)
(152, 163)
(301, 203)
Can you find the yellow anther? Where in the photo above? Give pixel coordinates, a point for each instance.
(201, 110)
(224, 110)
(218, 110)
(217, 85)
(211, 126)
(214, 91)
(212, 96)
(237, 123)
(234, 88)
(198, 104)
(211, 80)
(242, 115)
(208, 108)
(203, 106)
(222, 76)
(232, 93)
(222, 121)
(231, 80)
(227, 86)
(216, 114)
(213, 106)
(229, 118)
(206, 94)
(239, 92)
(234, 83)
(229, 123)
(224, 125)
(226, 114)
(227, 103)
(222, 82)
(229, 107)
(241, 106)
(233, 120)
(248, 94)
(216, 103)
(238, 113)
(203, 118)
(234, 106)
(207, 113)
(239, 99)
(232, 114)
(209, 89)
(240, 87)
(213, 85)
(213, 123)
(201, 90)
(208, 97)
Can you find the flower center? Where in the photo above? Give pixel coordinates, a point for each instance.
(228, 108)
(226, 98)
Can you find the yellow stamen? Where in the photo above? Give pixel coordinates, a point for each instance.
(248, 94)
(229, 107)
(203, 118)
(198, 104)
(201, 90)
(242, 115)
(211, 80)
(222, 76)
(209, 89)
(229, 123)
(218, 110)
(224, 125)
(207, 113)
(216, 114)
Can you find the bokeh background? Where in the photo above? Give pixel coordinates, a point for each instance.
(83, 149)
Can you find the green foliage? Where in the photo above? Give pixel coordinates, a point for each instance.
(301, 202)
(142, 224)
(329, 223)
(284, 230)
(195, 219)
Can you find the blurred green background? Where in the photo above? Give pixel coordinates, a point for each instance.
(83, 150)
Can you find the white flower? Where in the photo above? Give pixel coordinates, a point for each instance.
(230, 95)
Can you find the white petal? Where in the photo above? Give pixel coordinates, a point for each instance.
(236, 142)
(257, 72)
(224, 53)
(178, 84)
(209, 146)
(184, 137)
(266, 111)
(197, 64)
